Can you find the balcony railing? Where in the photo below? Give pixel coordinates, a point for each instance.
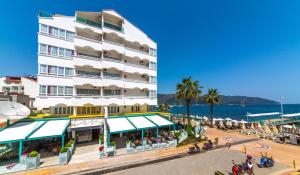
(137, 65)
(88, 39)
(88, 95)
(113, 26)
(88, 22)
(111, 59)
(87, 56)
(137, 50)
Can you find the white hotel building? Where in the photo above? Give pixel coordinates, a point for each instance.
(92, 60)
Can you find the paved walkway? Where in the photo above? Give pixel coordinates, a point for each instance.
(207, 163)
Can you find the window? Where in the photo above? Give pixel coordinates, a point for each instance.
(14, 88)
(44, 28)
(69, 72)
(113, 109)
(153, 52)
(53, 31)
(60, 90)
(43, 48)
(68, 90)
(61, 52)
(53, 50)
(152, 65)
(61, 71)
(52, 90)
(52, 70)
(152, 93)
(62, 33)
(42, 90)
(152, 79)
(68, 53)
(43, 69)
(111, 92)
(70, 35)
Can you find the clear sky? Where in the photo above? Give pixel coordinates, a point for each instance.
(249, 47)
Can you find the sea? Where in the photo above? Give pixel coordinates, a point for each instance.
(237, 112)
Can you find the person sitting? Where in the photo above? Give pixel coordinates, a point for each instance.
(210, 144)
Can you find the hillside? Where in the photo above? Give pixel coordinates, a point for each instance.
(170, 99)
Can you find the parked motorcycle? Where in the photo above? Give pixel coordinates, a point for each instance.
(266, 162)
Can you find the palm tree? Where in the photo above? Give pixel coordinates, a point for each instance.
(188, 90)
(164, 107)
(212, 97)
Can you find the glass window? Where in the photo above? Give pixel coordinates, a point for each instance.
(61, 71)
(68, 90)
(44, 28)
(70, 35)
(52, 90)
(69, 71)
(53, 31)
(42, 90)
(53, 50)
(68, 53)
(61, 52)
(60, 90)
(43, 48)
(52, 70)
(62, 33)
(43, 69)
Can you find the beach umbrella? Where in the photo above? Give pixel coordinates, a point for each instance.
(13, 110)
(275, 130)
(243, 125)
(287, 126)
(258, 125)
(228, 119)
(267, 129)
(242, 121)
(294, 126)
(252, 126)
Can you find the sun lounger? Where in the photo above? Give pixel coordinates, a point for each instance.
(163, 145)
(140, 148)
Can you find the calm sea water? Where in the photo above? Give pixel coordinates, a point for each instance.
(236, 112)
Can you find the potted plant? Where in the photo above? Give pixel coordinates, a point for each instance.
(69, 147)
(33, 160)
(63, 155)
(101, 139)
(72, 143)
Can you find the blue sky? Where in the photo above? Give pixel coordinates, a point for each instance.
(239, 47)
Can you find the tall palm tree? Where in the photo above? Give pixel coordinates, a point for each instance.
(188, 90)
(164, 107)
(212, 97)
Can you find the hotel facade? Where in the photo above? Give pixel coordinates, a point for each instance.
(92, 60)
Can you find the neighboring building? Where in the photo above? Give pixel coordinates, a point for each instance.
(19, 89)
(92, 60)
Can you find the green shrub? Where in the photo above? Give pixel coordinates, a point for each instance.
(68, 145)
(33, 154)
(113, 143)
(101, 138)
(63, 150)
(71, 142)
(189, 130)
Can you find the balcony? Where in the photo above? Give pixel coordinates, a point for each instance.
(88, 22)
(85, 42)
(88, 56)
(113, 27)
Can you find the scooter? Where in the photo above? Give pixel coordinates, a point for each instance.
(194, 149)
(266, 162)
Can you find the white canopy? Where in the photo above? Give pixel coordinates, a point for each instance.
(13, 110)
(228, 119)
(263, 114)
(141, 122)
(19, 131)
(51, 128)
(119, 125)
(159, 121)
(85, 123)
(291, 115)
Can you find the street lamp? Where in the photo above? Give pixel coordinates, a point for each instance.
(281, 105)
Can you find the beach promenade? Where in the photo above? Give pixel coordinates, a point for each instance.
(283, 155)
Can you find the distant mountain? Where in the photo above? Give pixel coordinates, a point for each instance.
(235, 100)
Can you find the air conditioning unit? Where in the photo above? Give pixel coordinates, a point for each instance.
(104, 70)
(105, 52)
